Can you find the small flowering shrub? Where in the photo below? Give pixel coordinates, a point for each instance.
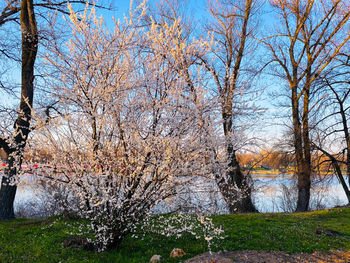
(175, 225)
(128, 128)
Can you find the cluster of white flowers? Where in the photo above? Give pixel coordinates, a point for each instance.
(176, 225)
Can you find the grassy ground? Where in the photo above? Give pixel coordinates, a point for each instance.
(24, 240)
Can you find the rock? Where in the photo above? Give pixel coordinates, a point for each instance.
(219, 257)
(155, 259)
(177, 253)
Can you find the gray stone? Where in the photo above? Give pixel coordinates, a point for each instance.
(155, 259)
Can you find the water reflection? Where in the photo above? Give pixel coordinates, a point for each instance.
(272, 193)
(278, 193)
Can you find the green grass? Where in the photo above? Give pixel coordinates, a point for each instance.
(24, 240)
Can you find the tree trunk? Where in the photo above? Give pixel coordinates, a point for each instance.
(242, 203)
(7, 197)
(304, 185)
(22, 124)
(302, 147)
(8, 191)
(341, 178)
(348, 161)
(304, 166)
(346, 133)
(234, 185)
(342, 112)
(338, 172)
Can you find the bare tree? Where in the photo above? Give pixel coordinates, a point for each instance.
(14, 144)
(308, 37)
(232, 29)
(333, 125)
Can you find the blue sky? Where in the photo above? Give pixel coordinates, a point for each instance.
(197, 8)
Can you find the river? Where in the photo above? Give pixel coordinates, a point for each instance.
(272, 193)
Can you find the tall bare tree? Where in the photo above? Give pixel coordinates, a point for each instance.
(231, 26)
(14, 144)
(308, 37)
(333, 124)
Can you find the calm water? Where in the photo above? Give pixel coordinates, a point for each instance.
(271, 194)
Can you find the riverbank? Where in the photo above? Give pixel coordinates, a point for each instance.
(279, 172)
(42, 240)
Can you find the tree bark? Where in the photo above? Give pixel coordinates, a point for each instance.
(8, 189)
(22, 124)
(304, 165)
(302, 149)
(244, 202)
(235, 187)
(304, 185)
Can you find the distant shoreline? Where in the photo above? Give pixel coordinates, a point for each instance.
(277, 172)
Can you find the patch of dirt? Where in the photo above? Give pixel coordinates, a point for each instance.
(78, 242)
(253, 256)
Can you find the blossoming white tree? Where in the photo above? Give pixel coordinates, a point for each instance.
(127, 132)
